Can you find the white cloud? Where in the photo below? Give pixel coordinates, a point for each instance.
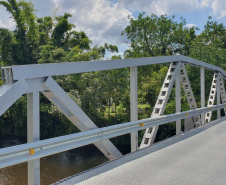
(117, 54)
(8, 24)
(104, 20)
(219, 8)
(5, 21)
(101, 20)
(190, 25)
(205, 3)
(161, 7)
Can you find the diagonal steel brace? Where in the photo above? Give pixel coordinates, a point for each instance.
(75, 114)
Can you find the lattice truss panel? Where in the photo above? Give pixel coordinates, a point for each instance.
(217, 80)
(189, 94)
(175, 67)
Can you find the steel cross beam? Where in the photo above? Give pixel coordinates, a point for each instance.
(21, 153)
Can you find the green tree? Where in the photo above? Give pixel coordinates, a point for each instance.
(208, 47)
(114, 83)
(149, 86)
(157, 36)
(20, 46)
(45, 29)
(116, 57)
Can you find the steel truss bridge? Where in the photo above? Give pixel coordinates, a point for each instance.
(145, 165)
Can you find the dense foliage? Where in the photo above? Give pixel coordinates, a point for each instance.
(53, 39)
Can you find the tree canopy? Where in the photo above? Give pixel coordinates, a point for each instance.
(104, 95)
(158, 36)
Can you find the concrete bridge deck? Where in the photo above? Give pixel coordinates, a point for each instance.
(194, 157)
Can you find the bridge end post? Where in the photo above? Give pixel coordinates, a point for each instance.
(133, 107)
(33, 134)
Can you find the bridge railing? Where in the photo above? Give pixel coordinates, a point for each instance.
(35, 150)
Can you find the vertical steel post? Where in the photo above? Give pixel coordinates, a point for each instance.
(178, 101)
(218, 98)
(33, 134)
(133, 106)
(202, 81)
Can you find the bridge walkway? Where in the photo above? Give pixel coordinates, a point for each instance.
(194, 157)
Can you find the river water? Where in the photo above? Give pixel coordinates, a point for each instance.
(54, 167)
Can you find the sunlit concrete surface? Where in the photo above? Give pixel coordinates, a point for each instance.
(195, 157)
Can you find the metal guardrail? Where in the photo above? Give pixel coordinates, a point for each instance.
(30, 151)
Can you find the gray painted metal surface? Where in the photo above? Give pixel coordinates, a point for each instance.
(222, 92)
(189, 94)
(177, 73)
(45, 70)
(195, 157)
(10, 93)
(188, 124)
(218, 98)
(178, 98)
(26, 79)
(33, 134)
(212, 95)
(21, 153)
(133, 107)
(159, 108)
(202, 84)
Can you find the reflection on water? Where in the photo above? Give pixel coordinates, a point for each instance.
(54, 167)
(59, 166)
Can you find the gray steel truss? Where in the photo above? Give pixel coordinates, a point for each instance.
(189, 94)
(150, 133)
(217, 81)
(11, 91)
(32, 79)
(222, 92)
(213, 92)
(45, 70)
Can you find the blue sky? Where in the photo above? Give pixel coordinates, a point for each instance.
(104, 20)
